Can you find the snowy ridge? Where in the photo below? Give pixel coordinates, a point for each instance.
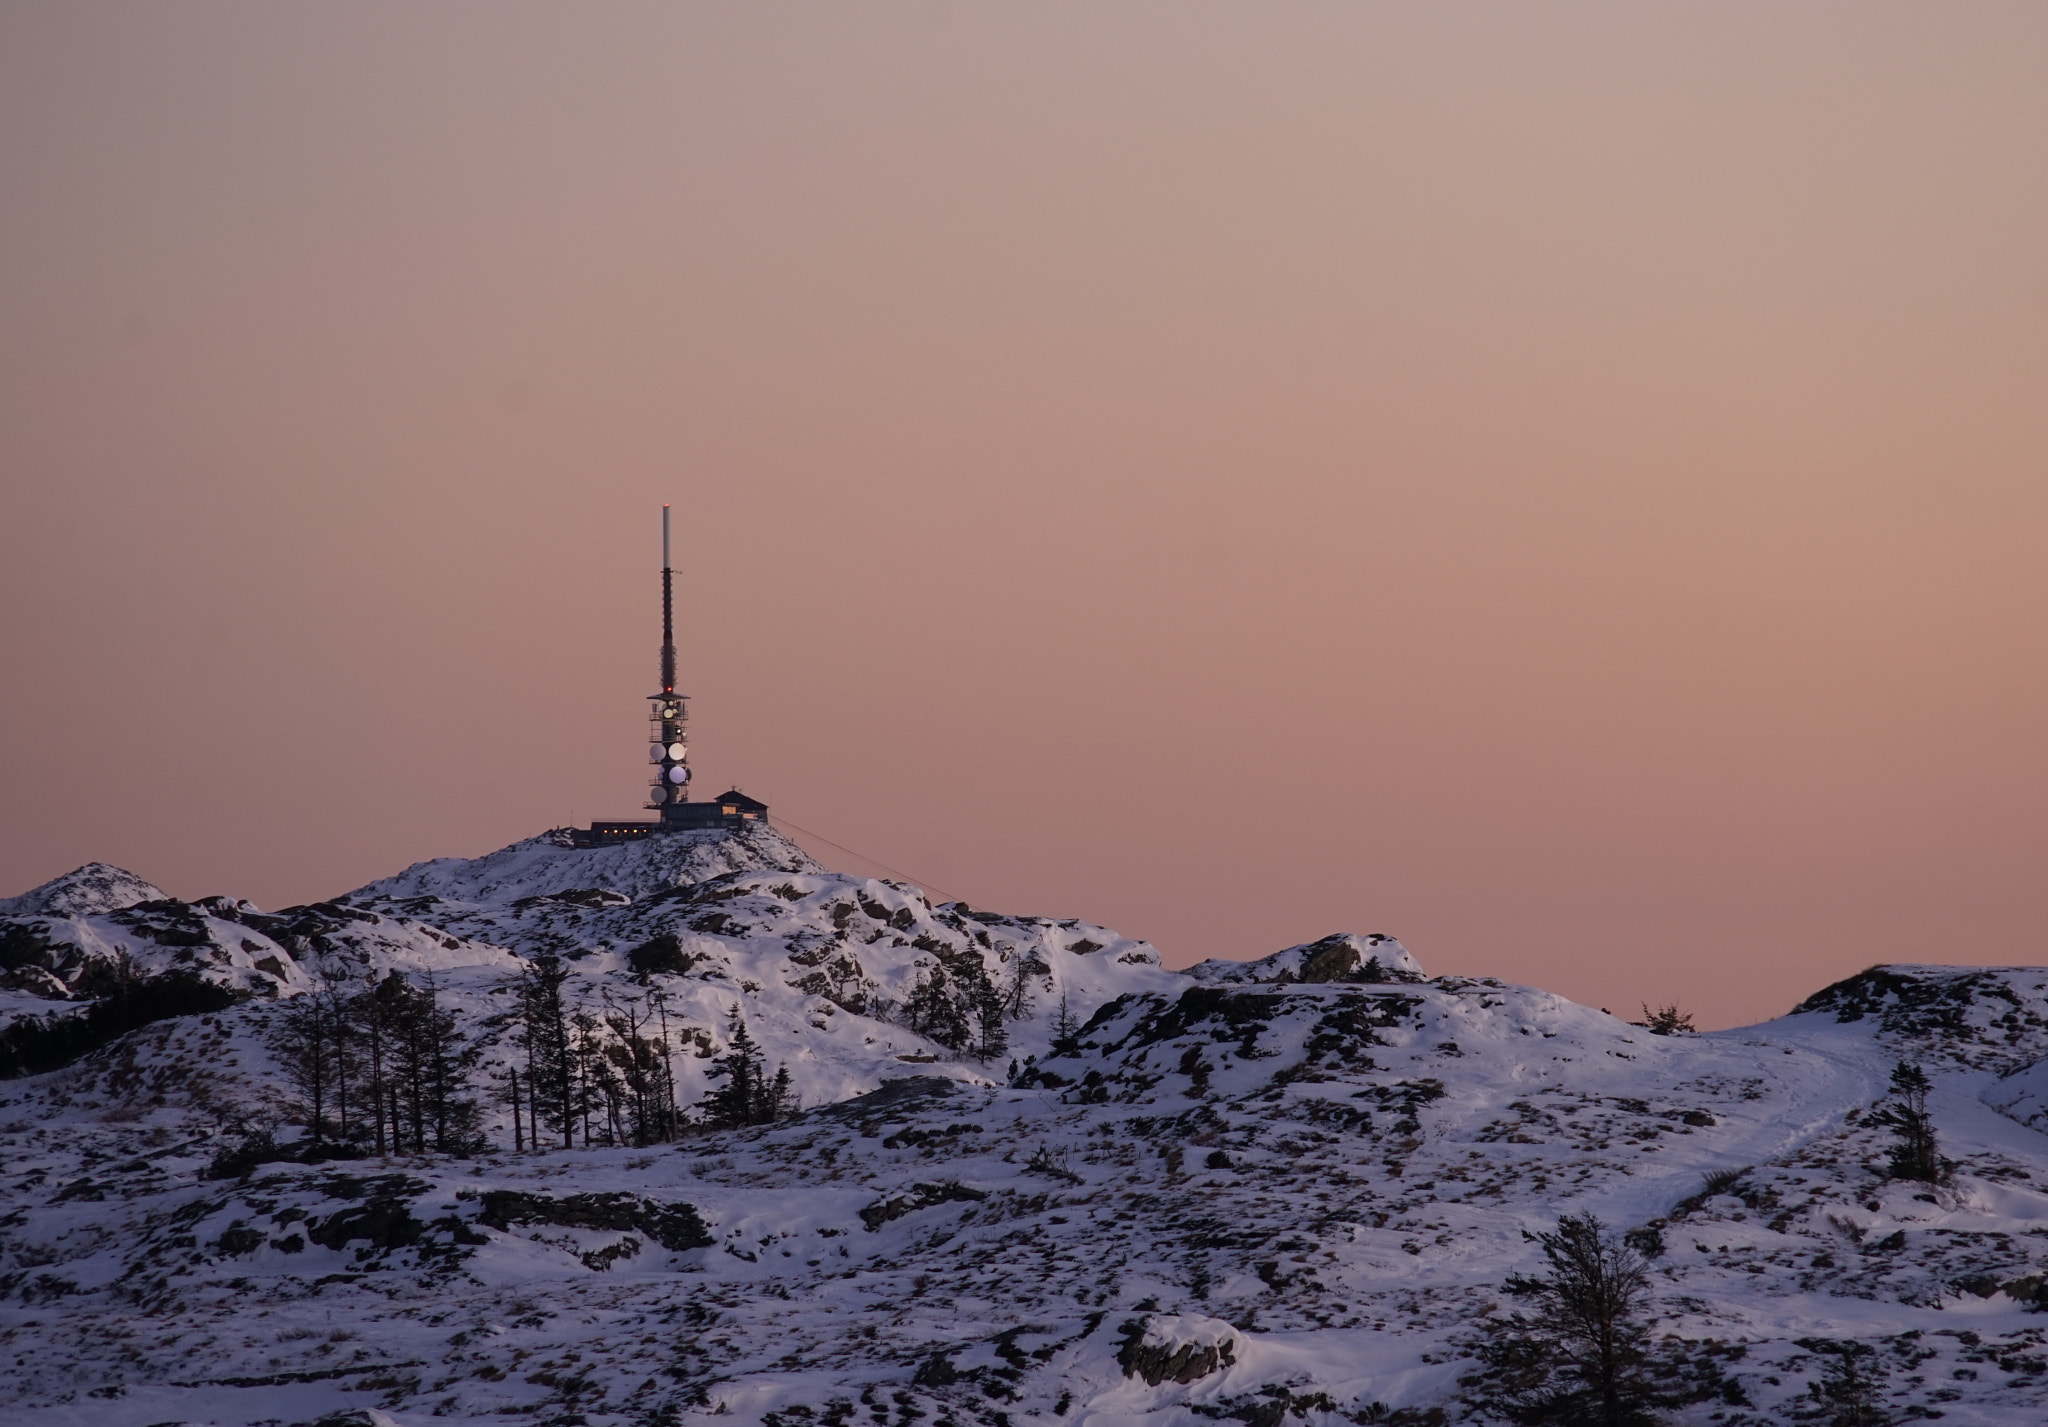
(1285, 1190)
(1345, 956)
(818, 963)
(1983, 1017)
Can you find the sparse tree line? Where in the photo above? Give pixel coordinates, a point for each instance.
(385, 1068)
(956, 1003)
(610, 1079)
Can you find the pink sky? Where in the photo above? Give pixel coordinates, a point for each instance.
(1565, 485)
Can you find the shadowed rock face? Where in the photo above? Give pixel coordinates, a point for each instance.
(1178, 1349)
(676, 1227)
(385, 1223)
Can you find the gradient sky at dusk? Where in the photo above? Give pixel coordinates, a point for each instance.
(1566, 485)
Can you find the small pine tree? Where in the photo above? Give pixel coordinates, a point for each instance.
(424, 1063)
(638, 1066)
(939, 1010)
(1579, 1356)
(303, 1039)
(738, 1098)
(550, 1056)
(1017, 985)
(989, 1008)
(777, 1099)
(1915, 1154)
(1849, 1388)
(1666, 1021)
(1065, 1028)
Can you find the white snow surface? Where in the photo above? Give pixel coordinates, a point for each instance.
(1303, 1179)
(538, 866)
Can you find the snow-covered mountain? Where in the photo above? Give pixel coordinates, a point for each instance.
(1285, 1189)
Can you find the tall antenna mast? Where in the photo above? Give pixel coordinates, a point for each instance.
(668, 614)
(668, 739)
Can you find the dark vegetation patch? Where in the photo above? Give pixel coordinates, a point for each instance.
(676, 1227)
(34, 1045)
(239, 1161)
(386, 1222)
(661, 955)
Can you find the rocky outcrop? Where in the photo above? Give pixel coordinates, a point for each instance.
(676, 1227)
(1178, 1348)
(921, 1196)
(1370, 959)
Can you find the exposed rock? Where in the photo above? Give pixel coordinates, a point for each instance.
(676, 1227)
(1180, 1348)
(921, 1196)
(385, 1222)
(36, 981)
(895, 1097)
(1342, 956)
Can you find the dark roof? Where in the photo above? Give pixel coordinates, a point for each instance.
(735, 798)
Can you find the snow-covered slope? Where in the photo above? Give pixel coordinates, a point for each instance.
(548, 865)
(1279, 1190)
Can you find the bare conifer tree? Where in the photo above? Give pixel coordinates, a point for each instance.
(1915, 1154)
(1017, 985)
(550, 1056)
(302, 1039)
(993, 1040)
(1064, 1028)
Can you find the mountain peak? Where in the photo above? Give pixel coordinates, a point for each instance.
(83, 892)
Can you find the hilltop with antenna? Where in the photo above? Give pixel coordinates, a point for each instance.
(986, 1169)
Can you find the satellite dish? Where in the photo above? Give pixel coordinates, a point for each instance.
(678, 751)
(685, 772)
(654, 753)
(679, 775)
